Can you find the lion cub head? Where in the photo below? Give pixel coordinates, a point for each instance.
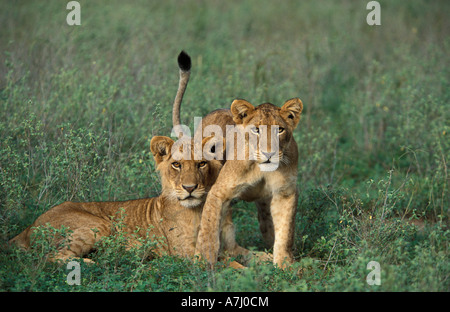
(185, 180)
(273, 127)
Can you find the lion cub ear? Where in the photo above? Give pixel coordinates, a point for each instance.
(160, 147)
(291, 111)
(241, 109)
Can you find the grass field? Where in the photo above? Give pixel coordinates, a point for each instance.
(79, 105)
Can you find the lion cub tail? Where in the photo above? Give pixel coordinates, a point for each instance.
(184, 63)
(21, 240)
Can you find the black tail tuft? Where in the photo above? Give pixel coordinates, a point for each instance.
(184, 61)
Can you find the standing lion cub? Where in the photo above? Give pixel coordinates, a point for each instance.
(267, 175)
(261, 168)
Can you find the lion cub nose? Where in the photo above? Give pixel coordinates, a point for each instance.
(268, 155)
(190, 188)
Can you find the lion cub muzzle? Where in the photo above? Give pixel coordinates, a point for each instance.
(191, 197)
(190, 188)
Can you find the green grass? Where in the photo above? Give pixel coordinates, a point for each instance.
(80, 104)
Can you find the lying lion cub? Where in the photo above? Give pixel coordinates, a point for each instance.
(174, 215)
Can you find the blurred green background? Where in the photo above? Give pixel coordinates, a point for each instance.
(79, 105)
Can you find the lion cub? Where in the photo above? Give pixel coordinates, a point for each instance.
(174, 215)
(266, 173)
(261, 168)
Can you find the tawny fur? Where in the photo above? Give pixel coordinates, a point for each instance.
(174, 216)
(274, 192)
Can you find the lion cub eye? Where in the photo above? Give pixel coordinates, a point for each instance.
(280, 130)
(176, 165)
(255, 130)
(202, 164)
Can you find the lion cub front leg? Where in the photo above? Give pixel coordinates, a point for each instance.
(208, 241)
(283, 209)
(265, 220)
(228, 237)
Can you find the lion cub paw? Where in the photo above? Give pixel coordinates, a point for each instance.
(262, 256)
